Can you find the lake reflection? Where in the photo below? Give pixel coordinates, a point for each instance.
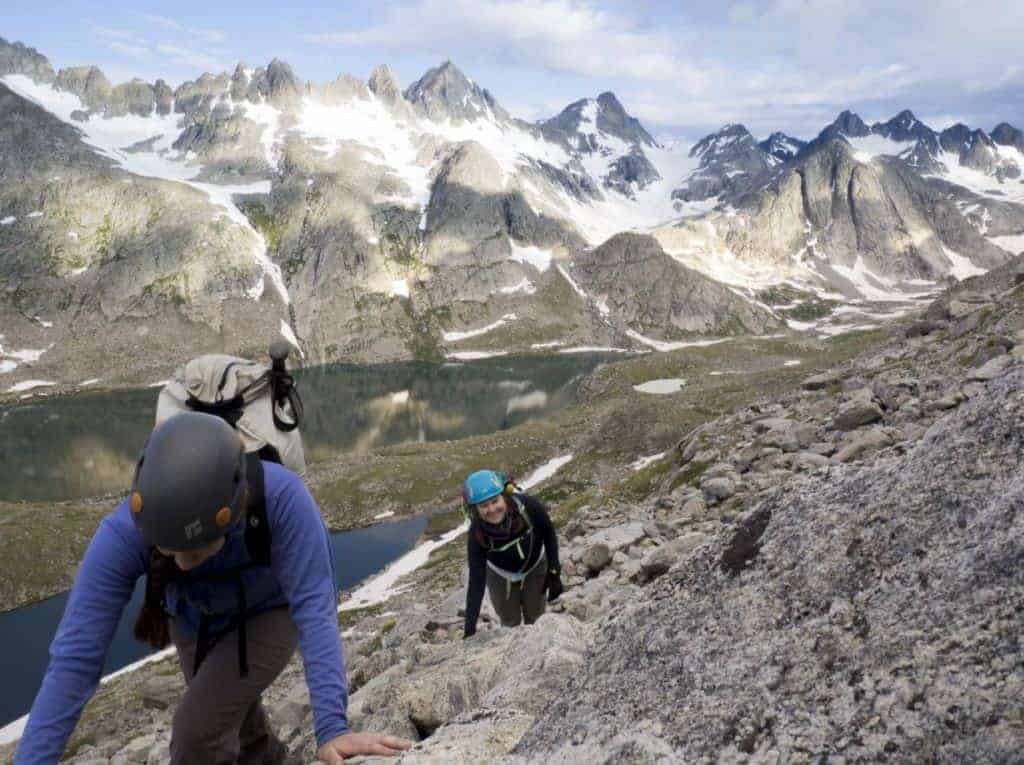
(85, 445)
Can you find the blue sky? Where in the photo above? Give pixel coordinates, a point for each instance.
(682, 68)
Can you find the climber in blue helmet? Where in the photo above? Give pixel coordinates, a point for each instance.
(512, 549)
(238, 572)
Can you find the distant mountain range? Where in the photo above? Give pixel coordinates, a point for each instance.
(365, 222)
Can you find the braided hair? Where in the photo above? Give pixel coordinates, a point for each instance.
(152, 625)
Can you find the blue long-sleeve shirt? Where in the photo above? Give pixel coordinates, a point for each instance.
(301, 574)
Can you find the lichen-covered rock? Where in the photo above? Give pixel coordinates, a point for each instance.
(596, 557)
(877, 620)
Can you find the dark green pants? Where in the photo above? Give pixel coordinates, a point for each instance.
(518, 602)
(220, 719)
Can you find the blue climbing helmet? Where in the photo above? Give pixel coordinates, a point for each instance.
(482, 486)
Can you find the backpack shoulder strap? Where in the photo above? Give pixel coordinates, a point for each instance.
(257, 527)
(524, 510)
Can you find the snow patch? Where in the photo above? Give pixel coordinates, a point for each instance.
(8, 220)
(474, 355)
(30, 385)
(537, 399)
(980, 183)
(662, 387)
(866, 148)
(381, 516)
(384, 141)
(268, 118)
(13, 730)
(525, 286)
(962, 268)
(643, 462)
(664, 347)
(1013, 243)
(595, 349)
(545, 471)
(90, 381)
(453, 337)
(534, 256)
(869, 284)
(400, 288)
(289, 335)
(28, 355)
(572, 283)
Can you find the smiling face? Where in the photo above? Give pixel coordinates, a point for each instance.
(190, 559)
(493, 510)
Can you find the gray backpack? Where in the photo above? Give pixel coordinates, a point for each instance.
(260, 402)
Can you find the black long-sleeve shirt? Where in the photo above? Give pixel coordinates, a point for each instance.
(541, 537)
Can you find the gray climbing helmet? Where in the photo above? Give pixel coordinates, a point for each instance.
(189, 485)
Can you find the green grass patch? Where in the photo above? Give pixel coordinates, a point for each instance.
(689, 475)
(642, 482)
(41, 546)
(347, 619)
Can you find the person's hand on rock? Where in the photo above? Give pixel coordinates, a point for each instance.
(339, 748)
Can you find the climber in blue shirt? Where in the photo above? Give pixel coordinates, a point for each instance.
(239, 571)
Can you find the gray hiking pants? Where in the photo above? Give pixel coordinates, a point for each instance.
(518, 602)
(220, 719)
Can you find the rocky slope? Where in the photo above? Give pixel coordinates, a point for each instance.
(833, 572)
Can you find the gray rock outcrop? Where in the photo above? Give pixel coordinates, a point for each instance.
(658, 296)
(850, 631)
(17, 58)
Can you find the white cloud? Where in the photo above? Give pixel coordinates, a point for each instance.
(556, 35)
(162, 21)
(173, 25)
(129, 49)
(110, 33)
(191, 58)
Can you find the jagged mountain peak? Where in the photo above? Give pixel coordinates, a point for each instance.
(728, 158)
(382, 83)
(1006, 134)
(781, 146)
(847, 123)
(613, 119)
(582, 119)
(609, 101)
(444, 92)
(278, 83)
(904, 127)
(18, 58)
(727, 139)
(904, 117)
(445, 79)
